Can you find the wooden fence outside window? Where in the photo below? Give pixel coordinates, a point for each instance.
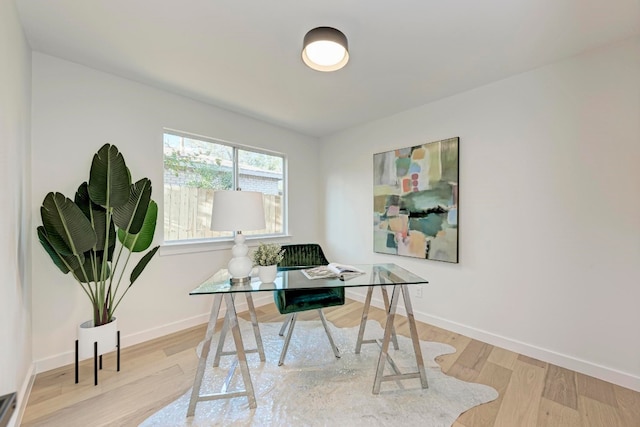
(187, 214)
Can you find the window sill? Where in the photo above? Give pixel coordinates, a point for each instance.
(194, 246)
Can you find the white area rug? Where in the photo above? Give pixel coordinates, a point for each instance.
(313, 388)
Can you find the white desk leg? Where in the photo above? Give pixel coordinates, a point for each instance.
(202, 363)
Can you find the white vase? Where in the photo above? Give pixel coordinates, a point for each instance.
(104, 335)
(267, 273)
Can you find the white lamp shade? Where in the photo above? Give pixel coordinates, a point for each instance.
(237, 211)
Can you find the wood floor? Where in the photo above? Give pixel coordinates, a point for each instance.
(155, 373)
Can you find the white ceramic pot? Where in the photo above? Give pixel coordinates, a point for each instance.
(104, 335)
(267, 273)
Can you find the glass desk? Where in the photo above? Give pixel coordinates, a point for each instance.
(376, 276)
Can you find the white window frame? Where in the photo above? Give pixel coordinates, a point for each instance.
(221, 243)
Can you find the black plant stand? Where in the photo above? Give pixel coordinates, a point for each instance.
(97, 360)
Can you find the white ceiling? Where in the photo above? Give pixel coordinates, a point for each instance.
(244, 55)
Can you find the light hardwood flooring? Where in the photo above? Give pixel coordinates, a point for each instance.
(155, 373)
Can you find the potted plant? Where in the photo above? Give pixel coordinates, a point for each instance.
(266, 257)
(94, 235)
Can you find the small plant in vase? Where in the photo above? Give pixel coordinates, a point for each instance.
(266, 257)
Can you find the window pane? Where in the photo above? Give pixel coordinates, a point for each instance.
(193, 170)
(264, 173)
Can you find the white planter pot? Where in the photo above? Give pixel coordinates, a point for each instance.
(104, 335)
(267, 273)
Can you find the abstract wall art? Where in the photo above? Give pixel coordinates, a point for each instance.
(415, 201)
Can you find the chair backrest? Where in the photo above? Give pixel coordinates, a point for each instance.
(302, 256)
(297, 257)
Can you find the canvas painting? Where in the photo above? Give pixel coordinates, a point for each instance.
(415, 201)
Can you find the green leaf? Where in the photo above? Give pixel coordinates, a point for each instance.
(64, 263)
(90, 277)
(139, 268)
(109, 179)
(69, 231)
(55, 240)
(95, 213)
(131, 216)
(141, 241)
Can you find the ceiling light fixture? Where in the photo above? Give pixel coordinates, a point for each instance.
(325, 49)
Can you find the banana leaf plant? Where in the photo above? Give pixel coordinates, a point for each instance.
(94, 235)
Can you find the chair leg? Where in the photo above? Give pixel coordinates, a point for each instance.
(326, 329)
(283, 354)
(284, 324)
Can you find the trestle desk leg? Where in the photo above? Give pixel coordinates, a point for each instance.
(385, 298)
(256, 332)
(197, 383)
(384, 348)
(256, 327)
(365, 314)
(363, 319)
(414, 336)
(242, 357)
(221, 340)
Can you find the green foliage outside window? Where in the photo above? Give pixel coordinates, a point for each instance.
(201, 175)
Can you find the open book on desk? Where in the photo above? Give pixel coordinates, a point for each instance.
(333, 270)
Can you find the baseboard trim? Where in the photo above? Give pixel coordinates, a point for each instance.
(605, 373)
(67, 358)
(23, 397)
(623, 379)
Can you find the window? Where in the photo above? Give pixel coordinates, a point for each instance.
(195, 167)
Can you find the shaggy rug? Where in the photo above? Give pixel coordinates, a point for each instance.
(313, 388)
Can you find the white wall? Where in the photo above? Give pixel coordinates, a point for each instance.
(75, 111)
(15, 288)
(549, 210)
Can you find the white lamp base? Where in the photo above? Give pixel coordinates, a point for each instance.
(240, 265)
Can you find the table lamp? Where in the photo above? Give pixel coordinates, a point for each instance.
(237, 211)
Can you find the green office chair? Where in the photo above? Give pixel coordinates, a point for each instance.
(293, 301)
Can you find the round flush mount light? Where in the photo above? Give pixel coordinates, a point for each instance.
(325, 49)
